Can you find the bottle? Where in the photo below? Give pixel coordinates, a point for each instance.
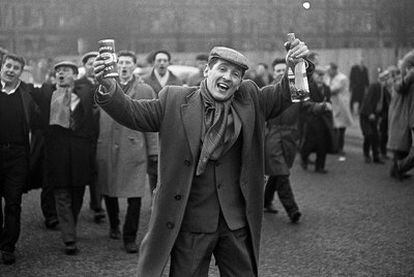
(107, 49)
(298, 80)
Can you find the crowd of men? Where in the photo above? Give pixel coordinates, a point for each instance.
(59, 139)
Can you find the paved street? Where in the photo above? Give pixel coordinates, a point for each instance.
(356, 222)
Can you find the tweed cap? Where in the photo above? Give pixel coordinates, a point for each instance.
(384, 75)
(230, 55)
(67, 63)
(86, 56)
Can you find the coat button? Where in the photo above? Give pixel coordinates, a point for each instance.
(177, 197)
(187, 162)
(170, 225)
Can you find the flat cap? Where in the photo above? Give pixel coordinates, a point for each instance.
(230, 55)
(86, 56)
(67, 63)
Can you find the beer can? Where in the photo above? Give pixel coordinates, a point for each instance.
(107, 50)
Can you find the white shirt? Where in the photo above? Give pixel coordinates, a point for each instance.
(162, 79)
(3, 84)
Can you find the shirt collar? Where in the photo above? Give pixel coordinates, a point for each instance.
(3, 84)
(162, 79)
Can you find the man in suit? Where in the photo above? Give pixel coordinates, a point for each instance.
(371, 112)
(68, 113)
(158, 78)
(210, 196)
(17, 117)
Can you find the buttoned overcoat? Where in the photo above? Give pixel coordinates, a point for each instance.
(177, 115)
(122, 152)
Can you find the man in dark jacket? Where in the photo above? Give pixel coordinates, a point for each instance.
(68, 113)
(210, 195)
(89, 80)
(371, 112)
(17, 115)
(158, 78)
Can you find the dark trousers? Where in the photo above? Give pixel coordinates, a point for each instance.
(371, 136)
(232, 250)
(317, 144)
(383, 136)
(130, 228)
(13, 176)
(341, 139)
(47, 202)
(281, 184)
(152, 171)
(68, 205)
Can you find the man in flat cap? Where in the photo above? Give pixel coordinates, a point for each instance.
(209, 198)
(70, 130)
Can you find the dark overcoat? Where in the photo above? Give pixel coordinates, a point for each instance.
(177, 115)
(68, 152)
(151, 80)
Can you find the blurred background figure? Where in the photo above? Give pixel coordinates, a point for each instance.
(371, 113)
(88, 80)
(201, 62)
(401, 119)
(318, 134)
(340, 97)
(358, 85)
(157, 79)
(263, 77)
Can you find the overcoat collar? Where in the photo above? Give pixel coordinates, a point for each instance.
(192, 117)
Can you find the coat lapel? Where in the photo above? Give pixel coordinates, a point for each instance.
(191, 113)
(245, 111)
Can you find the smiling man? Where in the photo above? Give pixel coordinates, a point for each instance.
(17, 114)
(209, 198)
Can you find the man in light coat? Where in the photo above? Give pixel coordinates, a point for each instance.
(122, 156)
(340, 97)
(209, 199)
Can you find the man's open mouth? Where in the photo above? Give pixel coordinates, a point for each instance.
(223, 86)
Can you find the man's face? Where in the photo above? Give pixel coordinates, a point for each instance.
(11, 71)
(89, 67)
(278, 71)
(161, 62)
(318, 78)
(126, 67)
(65, 76)
(223, 80)
(332, 71)
(201, 65)
(260, 70)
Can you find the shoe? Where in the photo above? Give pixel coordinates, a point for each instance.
(8, 257)
(321, 171)
(115, 233)
(270, 209)
(131, 247)
(342, 158)
(378, 161)
(367, 159)
(51, 224)
(71, 249)
(99, 216)
(295, 216)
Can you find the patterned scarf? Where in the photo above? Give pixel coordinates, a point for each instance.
(221, 127)
(60, 107)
